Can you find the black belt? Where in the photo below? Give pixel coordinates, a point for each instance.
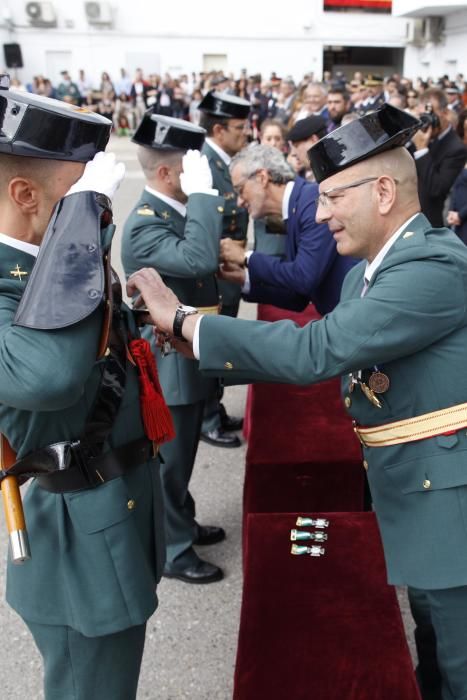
(95, 471)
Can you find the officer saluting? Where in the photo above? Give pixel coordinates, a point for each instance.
(93, 512)
(398, 339)
(175, 228)
(225, 119)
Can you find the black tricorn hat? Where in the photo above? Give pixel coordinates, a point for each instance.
(360, 139)
(168, 133)
(221, 104)
(39, 127)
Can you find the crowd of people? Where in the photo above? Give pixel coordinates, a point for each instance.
(277, 104)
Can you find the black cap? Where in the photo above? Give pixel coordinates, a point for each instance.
(360, 139)
(307, 127)
(168, 133)
(221, 104)
(39, 127)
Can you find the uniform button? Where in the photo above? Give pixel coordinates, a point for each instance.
(228, 365)
(220, 209)
(234, 211)
(427, 484)
(347, 402)
(131, 504)
(365, 464)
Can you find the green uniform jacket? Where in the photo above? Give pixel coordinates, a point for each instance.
(411, 324)
(185, 252)
(95, 561)
(235, 221)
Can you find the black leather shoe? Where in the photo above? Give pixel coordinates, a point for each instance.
(229, 422)
(201, 572)
(219, 439)
(209, 534)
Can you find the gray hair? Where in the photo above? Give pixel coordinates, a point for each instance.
(257, 157)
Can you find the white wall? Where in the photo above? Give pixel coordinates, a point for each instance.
(285, 37)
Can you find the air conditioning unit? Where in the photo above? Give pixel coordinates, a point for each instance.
(99, 13)
(415, 32)
(433, 30)
(41, 14)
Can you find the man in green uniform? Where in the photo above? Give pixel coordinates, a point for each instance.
(398, 339)
(225, 119)
(94, 512)
(175, 228)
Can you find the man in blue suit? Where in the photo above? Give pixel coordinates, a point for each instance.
(312, 270)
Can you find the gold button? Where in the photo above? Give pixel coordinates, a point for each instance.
(107, 352)
(220, 209)
(234, 211)
(228, 365)
(348, 402)
(427, 484)
(131, 504)
(365, 464)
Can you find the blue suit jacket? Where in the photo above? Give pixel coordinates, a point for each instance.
(312, 270)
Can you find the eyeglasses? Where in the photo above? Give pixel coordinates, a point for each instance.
(238, 190)
(326, 198)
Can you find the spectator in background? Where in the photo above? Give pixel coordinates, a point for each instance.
(138, 95)
(457, 214)
(412, 102)
(84, 86)
(313, 102)
(439, 156)
(194, 113)
(375, 99)
(67, 90)
(106, 87)
(179, 101)
(455, 103)
(285, 100)
(461, 128)
(338, 103)
(123, 85)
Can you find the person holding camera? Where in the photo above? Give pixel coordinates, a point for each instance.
(439, 154)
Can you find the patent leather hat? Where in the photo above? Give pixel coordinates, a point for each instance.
(39, 127)
(360, 139)
(221, 104)
(168, 133)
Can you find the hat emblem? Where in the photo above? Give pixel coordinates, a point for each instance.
(161, 133)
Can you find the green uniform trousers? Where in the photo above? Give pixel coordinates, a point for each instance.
(441, 636)
(89, 668)
(181, 529)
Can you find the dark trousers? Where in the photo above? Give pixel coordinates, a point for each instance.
(441, 641)
(89, 668)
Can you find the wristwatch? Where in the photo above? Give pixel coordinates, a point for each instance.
(181, 313)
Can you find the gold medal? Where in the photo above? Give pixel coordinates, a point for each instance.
(379, 382)
(371, 396)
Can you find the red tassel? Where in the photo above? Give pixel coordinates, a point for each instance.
(157, 420)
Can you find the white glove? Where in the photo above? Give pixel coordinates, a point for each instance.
(196, 176)
(102, 174)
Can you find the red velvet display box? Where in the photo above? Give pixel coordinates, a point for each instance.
(302, 451)
(326, 628)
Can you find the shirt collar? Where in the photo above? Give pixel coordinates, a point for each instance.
(25, 247)
(444, 133)
(174, 203)
(222, 154)
(286, 199)
(371, 268)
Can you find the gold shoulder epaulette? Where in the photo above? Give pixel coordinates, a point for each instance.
(145, 211)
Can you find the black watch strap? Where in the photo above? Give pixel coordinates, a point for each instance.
(180, 315)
